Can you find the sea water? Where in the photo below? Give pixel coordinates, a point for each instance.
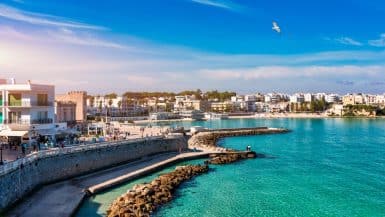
(324, 167)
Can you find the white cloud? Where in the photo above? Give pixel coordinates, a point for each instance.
(348, 41)
(97, 66)
(61, 35)
(41, 19)
(274, 72)
(67, 36)
(225, 4)
(378, 42)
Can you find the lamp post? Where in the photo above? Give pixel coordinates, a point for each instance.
(1, 154)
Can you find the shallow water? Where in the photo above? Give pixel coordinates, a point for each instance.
(324, 167)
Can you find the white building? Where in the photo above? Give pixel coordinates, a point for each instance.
(308, 97)
(273, 98)
(332, 98)
(237, 98)
(370, 99)
(192, 114)
(27, 110)
(380, 100)
(297, 98)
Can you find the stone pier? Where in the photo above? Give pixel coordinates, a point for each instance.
(210, 138)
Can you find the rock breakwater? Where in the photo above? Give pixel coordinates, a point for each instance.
(142, 200)
(230, 157)
(208, 140)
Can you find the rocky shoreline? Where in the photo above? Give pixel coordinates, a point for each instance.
(230, 157)
(144, 199)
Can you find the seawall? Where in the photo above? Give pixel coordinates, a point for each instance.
(17, 183)
(210, 138)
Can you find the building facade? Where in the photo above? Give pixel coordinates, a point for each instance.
(77, 97)
(27, 110)
(65, 112)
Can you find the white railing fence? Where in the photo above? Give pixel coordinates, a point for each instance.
(13, 165)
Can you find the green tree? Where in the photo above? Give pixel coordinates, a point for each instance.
(111, 96)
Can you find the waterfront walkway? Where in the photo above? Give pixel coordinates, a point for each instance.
(62, 199)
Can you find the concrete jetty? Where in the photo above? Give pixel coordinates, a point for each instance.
(209, 139)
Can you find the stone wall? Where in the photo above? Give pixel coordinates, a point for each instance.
(16, 184)
(210, 138)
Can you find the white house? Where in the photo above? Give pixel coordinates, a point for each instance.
(27, 110)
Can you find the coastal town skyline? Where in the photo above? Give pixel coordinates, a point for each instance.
(215, 44)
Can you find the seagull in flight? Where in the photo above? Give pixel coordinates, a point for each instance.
(276, 27)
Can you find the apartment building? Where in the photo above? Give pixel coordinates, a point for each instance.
(27, 110)
(353, 99)
(189, 103)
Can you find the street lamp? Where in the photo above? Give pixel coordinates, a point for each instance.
(1, 154)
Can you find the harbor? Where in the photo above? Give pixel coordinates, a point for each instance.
(126, 173)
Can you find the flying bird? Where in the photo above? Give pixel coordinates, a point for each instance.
(276, 27)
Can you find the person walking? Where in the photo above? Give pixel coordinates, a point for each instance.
(23, 148)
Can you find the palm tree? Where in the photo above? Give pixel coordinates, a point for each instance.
(120, 106)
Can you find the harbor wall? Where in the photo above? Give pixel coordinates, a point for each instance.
(209, 139)
(17, 183)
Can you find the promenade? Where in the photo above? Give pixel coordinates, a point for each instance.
(62, 199)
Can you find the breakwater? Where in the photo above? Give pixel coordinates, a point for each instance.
(44, 168)
(142, 200)
(209, 139)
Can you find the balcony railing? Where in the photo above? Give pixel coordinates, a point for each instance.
(18, 122)
(42, 121)
(26, 103)
(29, 122)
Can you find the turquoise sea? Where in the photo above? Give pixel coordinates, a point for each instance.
(324, 167)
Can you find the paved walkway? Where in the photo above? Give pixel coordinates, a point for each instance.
(61, 199)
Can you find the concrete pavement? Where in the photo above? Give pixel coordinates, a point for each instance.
(62, 199)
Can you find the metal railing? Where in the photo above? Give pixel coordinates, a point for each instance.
(14, 165)
(29, 122)
(42, 121)
(26, 103)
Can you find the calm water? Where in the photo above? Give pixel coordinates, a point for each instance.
(325, 167)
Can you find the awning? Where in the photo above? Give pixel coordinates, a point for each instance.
(13, 133)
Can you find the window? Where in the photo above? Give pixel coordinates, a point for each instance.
(14, 99)
(14, 117)
(42, 115)
(42, 99)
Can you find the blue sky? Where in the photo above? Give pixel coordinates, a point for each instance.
(104, 46)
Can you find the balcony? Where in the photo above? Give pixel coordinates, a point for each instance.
(20, 124)
(24, 124)
(26, 104)
(42, 121)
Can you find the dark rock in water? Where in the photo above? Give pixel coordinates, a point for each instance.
(230, 157)
(142, 200)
